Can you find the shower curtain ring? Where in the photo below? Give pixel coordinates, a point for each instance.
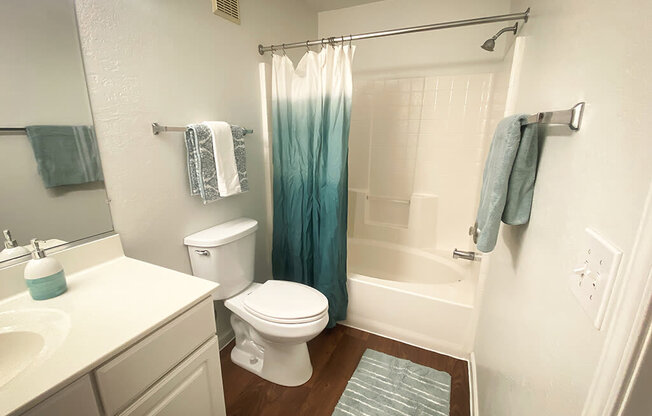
(307, 47)
(350, 40)
(284, 53)
(271, 47)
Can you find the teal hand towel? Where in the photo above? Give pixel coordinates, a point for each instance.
(65, 155)
(508, 180)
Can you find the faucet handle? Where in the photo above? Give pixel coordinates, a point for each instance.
(473, 231)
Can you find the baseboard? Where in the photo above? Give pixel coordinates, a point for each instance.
(473, 386)
(457, 355)
(225, 338)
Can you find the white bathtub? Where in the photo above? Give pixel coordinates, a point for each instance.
(411, 295)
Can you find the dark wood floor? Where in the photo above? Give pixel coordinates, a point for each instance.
(335, 354)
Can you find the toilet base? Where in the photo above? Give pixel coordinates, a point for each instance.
(284, 364)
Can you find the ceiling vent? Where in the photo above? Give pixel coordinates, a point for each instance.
(228, 9)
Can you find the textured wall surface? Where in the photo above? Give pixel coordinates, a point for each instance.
(536, 348)
(174, 62)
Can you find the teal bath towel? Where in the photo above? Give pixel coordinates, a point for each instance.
(508, 180)
(65, 155)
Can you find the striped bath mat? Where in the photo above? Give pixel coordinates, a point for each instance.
(385, 385)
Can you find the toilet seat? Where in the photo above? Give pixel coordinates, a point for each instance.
(286, 302)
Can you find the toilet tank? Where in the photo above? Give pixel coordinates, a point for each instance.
(225, 254)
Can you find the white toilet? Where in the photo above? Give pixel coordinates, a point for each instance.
(272, 321)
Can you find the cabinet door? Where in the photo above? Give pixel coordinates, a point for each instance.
(194, 387)
(128, 376)
(75, 399)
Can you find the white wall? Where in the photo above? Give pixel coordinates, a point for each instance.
(322, 5)
(176, 63)
(42, 82)
(536, 349)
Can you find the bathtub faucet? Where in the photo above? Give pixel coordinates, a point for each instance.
(466, 255)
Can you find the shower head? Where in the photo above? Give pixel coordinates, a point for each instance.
(490, 43)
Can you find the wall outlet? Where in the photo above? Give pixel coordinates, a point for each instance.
(593, 278)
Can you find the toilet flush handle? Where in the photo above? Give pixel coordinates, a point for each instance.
(203, 252)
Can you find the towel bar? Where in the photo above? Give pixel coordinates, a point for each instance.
(9, 131)
(572, 117)
(157, 128)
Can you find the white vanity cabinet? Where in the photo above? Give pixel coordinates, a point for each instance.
(76, 399)
(173, 371)
(194, 387)
(130, 374)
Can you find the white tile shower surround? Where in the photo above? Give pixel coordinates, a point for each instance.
(420, 139)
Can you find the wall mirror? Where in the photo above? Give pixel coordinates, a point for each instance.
(51, 186)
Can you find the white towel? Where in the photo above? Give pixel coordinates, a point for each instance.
(228, 180)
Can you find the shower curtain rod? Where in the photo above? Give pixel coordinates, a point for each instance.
(414, 29)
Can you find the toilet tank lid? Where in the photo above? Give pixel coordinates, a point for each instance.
(222, 233)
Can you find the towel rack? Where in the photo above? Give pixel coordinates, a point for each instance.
(157, 128)
(571, 117)
(12, 130)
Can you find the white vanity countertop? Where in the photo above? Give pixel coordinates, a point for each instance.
(110, 307)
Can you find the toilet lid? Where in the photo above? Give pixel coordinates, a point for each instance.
(286, 302)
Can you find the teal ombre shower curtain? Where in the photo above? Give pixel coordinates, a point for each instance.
(311, 111)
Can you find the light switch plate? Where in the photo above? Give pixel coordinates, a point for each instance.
(593, 278)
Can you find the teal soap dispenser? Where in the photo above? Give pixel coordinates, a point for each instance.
(44, 275)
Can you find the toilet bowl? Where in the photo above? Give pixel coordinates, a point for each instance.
(272, 321)
(272, 329)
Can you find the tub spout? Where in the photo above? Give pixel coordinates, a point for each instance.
(466, 255)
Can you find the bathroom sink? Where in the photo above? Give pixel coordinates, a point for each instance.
(27, 338)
